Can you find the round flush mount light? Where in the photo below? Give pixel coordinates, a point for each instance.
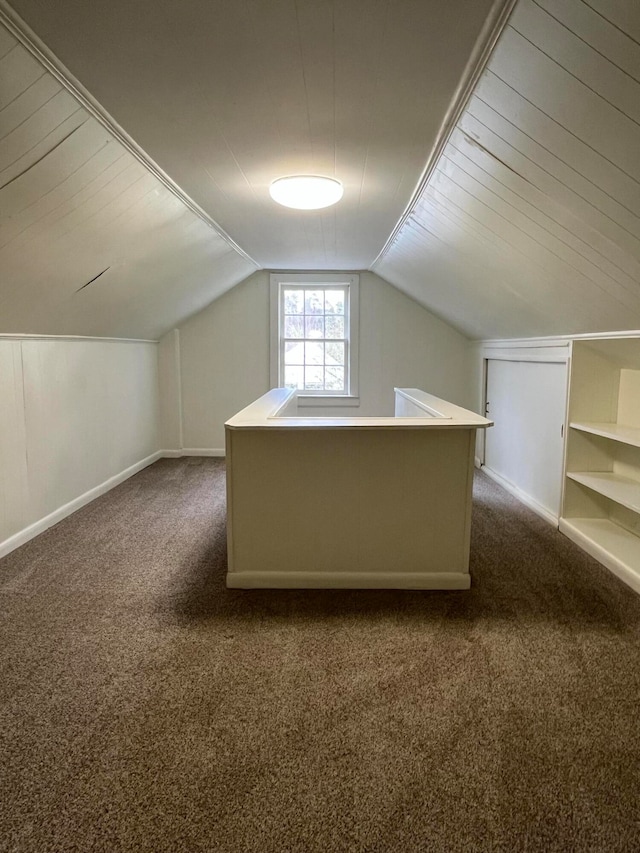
(306, 192)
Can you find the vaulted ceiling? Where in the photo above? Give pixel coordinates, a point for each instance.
(141, 195)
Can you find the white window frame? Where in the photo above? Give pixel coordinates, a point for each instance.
(278, 283)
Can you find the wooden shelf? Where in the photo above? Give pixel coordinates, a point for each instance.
(616, 432)
(622, 490)
(612, 545)
(604, 400)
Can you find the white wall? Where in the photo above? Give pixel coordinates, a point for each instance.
(76, 415)
(222, 363)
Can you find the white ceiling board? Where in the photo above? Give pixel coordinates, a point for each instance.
(7, 42)
(226, 95)
(541, 178)
(49, 126)
(492, 191)
(623, 14)
(19, 71)
(567, 146)
(553, 176)
(453, 282)
(610, 80)
(587, 24)
(581, 231)
(76, 206)
(569, 102)
(492, 261)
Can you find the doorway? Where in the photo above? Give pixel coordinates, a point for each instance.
(526, 400)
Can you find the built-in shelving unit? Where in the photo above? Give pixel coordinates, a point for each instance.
(601, 501)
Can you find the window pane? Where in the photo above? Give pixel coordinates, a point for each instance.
(334, 301)
(314, 327)
(294, 377)
(334, 353)
(294, 352)
(294, 302)
(335, 327)
(334, 378)
(314, 302)
(294, 327)
(314, 348)
(314, 378)
(313, 353)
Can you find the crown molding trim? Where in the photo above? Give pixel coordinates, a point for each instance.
(29, 40)
(29, 336)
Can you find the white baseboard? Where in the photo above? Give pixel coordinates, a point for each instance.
(477, 462)
(194, 451)
(57, 515)
(348, 580)
(523, 497)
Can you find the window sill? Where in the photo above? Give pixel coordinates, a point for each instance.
(316, 401)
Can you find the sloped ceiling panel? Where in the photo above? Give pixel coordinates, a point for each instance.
(91, 242)
(530, 223)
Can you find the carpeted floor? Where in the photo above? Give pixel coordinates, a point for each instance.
(143, 707)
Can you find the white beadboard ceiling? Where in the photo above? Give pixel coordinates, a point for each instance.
(528, 223)
(91, 243)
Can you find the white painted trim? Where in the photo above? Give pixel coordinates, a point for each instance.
(17, 336)
(555, 355)
(202, 451)
(552, 340)
(263, 414)
(30, 40)
(177, 354)
(523, 497)
(193, 451)
(67, 509)
(274, 331)
(348, 580)
(477, 462)
(310, 402)
(492, 30)
(352, 279)
(609, 561)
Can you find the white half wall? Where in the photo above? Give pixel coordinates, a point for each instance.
(77, 416)
(222, 361)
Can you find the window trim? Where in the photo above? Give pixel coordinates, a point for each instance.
(318, 398)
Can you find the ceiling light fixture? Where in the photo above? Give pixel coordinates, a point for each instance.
(306, 192)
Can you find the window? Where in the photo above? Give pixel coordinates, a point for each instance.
(314, 321)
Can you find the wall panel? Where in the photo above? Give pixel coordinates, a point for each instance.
(13, 451)
(74, 415)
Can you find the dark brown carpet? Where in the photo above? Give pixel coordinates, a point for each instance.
(143, 707)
